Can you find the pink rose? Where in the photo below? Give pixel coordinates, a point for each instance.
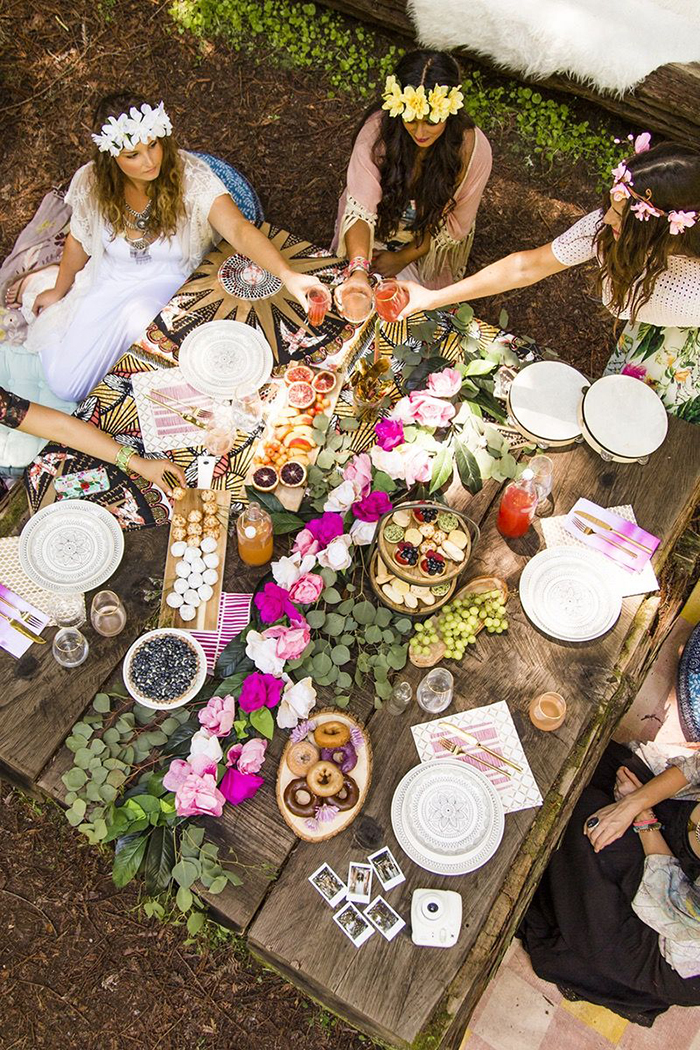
(372, 507)
(326, 528)
(247, 757)
(236, 787)
(259, 690)
(431, 411)
(218, 715)
(359, 472)
(272, 602)
(417, 465)
(307, 589)
(291, 641)
(199, 796)
(177, 774)
(305, 543)
(389, 433)
(446, 383)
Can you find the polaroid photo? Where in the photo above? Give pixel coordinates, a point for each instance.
(353, 924)
(360, 883)
(383, 916)
(329, 885)
(386, 868)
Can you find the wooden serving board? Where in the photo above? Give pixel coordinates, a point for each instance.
(475, 586)
(207, 617)
(291, 497)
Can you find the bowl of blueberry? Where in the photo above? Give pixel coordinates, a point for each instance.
(165, 668)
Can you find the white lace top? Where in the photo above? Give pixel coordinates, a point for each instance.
(675, 301)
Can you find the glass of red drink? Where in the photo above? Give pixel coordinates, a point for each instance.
(390, 298)
(518, 505)
(318, 304)
(355, 302)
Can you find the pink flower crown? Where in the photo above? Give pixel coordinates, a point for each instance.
(643, 208)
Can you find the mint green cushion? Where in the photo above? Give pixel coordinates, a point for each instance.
(21, 372)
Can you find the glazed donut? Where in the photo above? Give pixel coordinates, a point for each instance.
(332, 734)
(344, 756)
(301, 757)
(299, 799)
(324, 779)
(348, 796)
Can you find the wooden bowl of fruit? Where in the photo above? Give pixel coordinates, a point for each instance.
(478, 606)
(410, 599)
(426, 543)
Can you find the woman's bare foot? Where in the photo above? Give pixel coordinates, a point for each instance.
(15, 291)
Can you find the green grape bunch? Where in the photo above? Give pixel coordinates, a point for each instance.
(457, 624)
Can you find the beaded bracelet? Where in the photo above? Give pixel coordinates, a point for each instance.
(124, 457)
(357, 263)
(647, 825)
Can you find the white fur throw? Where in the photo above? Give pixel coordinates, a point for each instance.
(612, 44)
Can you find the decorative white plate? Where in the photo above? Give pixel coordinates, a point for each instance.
(197, 681)
(71, 546)
(220, 356)
(569, 595)
(447, 817)
(544, 399)
(243, 278)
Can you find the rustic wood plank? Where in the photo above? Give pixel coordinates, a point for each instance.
(392, 991)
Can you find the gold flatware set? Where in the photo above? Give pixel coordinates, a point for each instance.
(587, 530)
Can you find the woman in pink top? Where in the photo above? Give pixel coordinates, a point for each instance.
(418, 169)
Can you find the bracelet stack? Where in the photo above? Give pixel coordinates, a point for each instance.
(358, 262)
(652, 824)
(124, 457)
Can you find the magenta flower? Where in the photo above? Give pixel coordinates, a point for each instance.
(636, 371)
(260, 690)
(248, 757)
(291, 641)
(326, 528)
(307, 588)
(389, 433)
(199, 796)
(372, 507)
(272, 602)
(237, 787)
(218, 715)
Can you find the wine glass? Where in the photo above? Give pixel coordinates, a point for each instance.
(355, 302)
(107, 614)
(390, 299)
(543, 471)
(249, 405)
(434, 692)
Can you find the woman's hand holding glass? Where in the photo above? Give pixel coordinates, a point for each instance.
(300, 284)
(420, 299)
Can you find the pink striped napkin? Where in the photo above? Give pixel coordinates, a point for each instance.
(234, 615)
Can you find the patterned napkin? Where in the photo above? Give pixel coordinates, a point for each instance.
(12, 575)
(162, 429)
(11, 640)
(493, 725)
(234, 615)
(556, 534)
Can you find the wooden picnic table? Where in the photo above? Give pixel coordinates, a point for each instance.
(407, 996)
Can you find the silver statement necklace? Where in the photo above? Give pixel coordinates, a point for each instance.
(139, 222)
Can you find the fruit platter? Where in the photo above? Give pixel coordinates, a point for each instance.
(324, 775)
(478, 606)
(291, 442)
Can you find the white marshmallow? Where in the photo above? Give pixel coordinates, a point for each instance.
(174, 600)
(192, 598)
(196, 580)
(181, 585)
(210, 561)
(182, 569)
(187, 612)
(198, 565)
(208, 544)
(210, 576)
(191, 554)
(205, 592)
(178, 548)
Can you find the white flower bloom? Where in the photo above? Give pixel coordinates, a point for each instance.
(337, 554)
(263, 653)
(287, 571)
(341, 498)
(205, 743)
(296, 703)
(362, 532)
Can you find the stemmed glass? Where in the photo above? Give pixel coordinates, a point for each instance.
(543, 470)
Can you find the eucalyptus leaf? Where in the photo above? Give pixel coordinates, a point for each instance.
(99, 775)
(346, 607)
(340, 655)
(82, 729)
(383, 617)
(322, 664)
(97, 746)
(373, 634)
(169, 725)
(73, 816)
(364, 612)
(348, 639)
(111, 736)
(186, 872)
(92, 791)
(219, 884)
(383, 689)
(108, 793)
(321, 423)
(316, 618)
(184, 899)
(329, 576)
(83, 757)
(349, 424)
(70, 798)
(334, 624)
(403, 625)
(75, 742)
(195, 922)
(381, 482)
(344, 680)
(100, 829)
(74, 779)
(102, 703)
(143, 715)
(116, 778)
(331, 596)
(342, 701)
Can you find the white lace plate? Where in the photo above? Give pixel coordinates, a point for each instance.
(569, 595)
(220, 356)
(447, 817)
(71, 546)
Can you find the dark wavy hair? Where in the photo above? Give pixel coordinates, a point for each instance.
(166, 191)
(395, 152)
(632, 263)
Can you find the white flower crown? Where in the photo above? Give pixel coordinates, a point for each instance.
(138, 125)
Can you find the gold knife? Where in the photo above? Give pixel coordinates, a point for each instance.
(475, 740)
(183, 415)
(609, 528)
(21, 628)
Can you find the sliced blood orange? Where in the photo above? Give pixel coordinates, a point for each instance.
(265, 479)
(293, 474)
(298, 374)
(301, 394)
(323, 382)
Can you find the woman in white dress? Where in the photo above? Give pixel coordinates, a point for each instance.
(646, 242)
(144, 215)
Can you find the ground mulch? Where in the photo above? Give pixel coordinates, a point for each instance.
(81, 967)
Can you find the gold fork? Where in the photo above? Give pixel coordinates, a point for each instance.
(24, 614)
(473, 739)
(187, 416)
(455, 749)
(588, 531)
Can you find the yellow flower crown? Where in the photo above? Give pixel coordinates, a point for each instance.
(413, 103)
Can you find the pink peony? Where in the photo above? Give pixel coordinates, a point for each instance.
(177, 774)
(247, 757)
(372, 507)
(237, 787)
(259, 690)
(446, 383)
(305, 543)
(359, 472)
(431, 411)
(218, 715)
(199, 796)
(291, 641)
(307, 589)
(326, 528)
(389, 433)
(272, 602)
(409, 463)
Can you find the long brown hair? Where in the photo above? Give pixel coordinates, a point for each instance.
(166, 191)
(632, 263)
(395, 152)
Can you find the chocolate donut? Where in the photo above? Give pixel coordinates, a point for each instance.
(324, 779)
(344, 756)
(348, 796)
(301, 757)
(294, 803)
(332, 734)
